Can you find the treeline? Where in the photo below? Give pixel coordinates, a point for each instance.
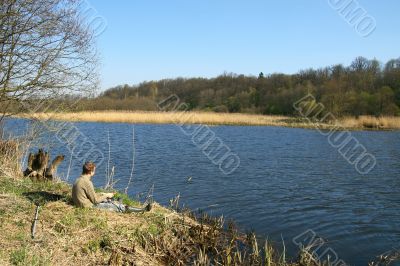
(366, 87)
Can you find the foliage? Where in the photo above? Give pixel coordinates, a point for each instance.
(363, 88)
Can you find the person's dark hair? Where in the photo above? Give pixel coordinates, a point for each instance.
(88, 168)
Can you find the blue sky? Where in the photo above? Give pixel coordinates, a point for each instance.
(155, 39)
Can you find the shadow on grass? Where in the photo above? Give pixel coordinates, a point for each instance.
(43, 197)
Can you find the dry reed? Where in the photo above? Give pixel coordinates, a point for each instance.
(10, 157)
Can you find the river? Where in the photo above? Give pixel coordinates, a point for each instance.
(289, 182)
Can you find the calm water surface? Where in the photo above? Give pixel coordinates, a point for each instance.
(289, 181)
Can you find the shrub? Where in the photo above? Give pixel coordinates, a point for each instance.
(221, 109)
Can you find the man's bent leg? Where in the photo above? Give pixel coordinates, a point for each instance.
(110, 206)
(119, 207)
(135, 209)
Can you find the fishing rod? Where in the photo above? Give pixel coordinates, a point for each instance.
(36, 218)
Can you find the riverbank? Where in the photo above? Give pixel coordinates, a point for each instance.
(70, 236)
(237, 119)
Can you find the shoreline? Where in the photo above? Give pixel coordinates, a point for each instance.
(216, 119)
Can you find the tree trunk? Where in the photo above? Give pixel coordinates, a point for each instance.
(38, 169)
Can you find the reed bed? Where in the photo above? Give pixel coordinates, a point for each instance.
(166, 118)
(371, 122)
(208, 118)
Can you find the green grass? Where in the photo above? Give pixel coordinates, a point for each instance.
(80, 218)
(21, 257)
(20, 186)
(103, 243)
(126, 200)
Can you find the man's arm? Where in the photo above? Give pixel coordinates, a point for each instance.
(92, 196)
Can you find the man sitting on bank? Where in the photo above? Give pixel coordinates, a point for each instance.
(84, 196)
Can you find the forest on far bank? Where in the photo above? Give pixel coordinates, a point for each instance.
(365, 87)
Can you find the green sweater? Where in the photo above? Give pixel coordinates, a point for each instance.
(83, 194)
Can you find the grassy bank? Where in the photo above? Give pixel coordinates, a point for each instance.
(66, 235)
(362, 122)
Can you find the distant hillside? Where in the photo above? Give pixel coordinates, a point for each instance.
(366, 87)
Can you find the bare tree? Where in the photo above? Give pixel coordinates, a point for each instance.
(46, 51)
